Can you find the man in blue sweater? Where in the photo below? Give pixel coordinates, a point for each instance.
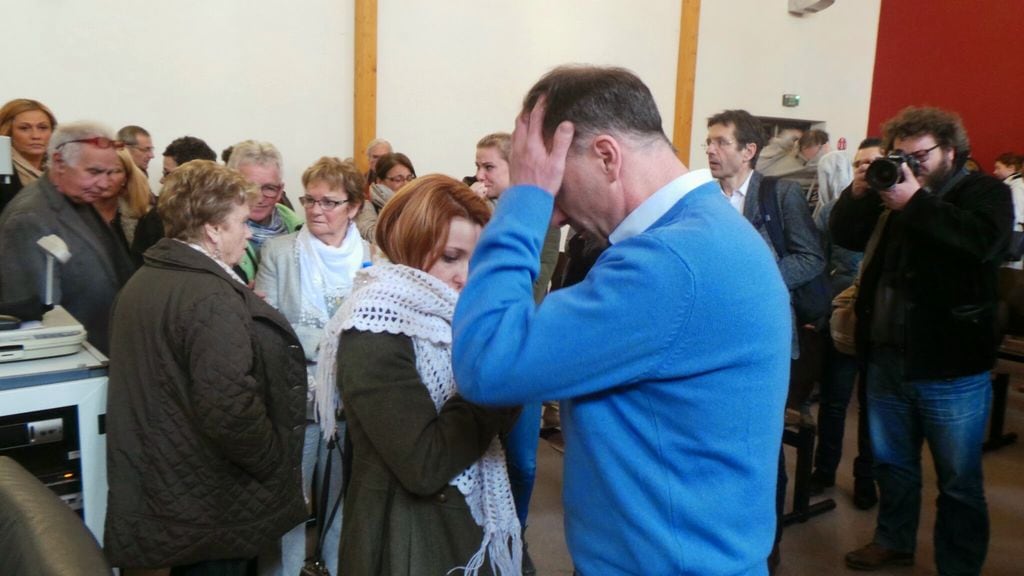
(672, 364)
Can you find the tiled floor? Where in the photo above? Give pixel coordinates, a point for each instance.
(817, 547)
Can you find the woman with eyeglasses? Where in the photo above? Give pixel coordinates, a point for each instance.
(29, 124)
(393, 171)
(429, 491)
(306, 275)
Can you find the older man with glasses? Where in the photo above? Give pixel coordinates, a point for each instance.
(733, 143)
(139, 144)
(260, 163)
(83, 156)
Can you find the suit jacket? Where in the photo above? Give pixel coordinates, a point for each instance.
(806, 258)
(85, 285)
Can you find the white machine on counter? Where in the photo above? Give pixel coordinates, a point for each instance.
(58, 333)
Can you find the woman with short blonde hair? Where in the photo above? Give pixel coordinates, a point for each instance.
(204, 457)
(307, 275)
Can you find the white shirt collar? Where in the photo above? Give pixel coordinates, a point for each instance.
(657, 204)
(739, 196)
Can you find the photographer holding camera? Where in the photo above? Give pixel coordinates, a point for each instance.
(926, 331)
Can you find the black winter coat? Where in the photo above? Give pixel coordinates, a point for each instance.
(947, 249)
(205, 416)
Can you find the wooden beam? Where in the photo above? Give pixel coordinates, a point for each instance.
(365, 102)
(686, 77)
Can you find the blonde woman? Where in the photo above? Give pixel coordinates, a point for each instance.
(128, 199)
(29, 124)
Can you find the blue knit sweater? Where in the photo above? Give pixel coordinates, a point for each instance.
(672, 358)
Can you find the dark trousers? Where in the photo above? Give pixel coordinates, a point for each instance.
(780, 496)
(836, 389)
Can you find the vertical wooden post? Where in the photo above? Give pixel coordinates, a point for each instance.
(686, 76)
(365, 102)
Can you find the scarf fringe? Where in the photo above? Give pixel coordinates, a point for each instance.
(504, 550)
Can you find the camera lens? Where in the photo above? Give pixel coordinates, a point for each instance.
(883, 174)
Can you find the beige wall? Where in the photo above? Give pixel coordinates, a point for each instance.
(751, 52)
(449, 71)
(222, 70)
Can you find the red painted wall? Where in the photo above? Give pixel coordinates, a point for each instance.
(963, 56)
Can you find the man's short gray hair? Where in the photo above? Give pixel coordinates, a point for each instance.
(130, 134)
(255, 152)
(378, 142)
(65, 135)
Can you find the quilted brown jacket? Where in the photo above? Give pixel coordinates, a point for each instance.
(205, 416)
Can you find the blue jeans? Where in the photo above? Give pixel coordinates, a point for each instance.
(836, 389)
(287, 559)
(521, 457)
(951, 415)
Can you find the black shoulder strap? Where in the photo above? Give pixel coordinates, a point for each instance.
(324, 520)
(768, 204)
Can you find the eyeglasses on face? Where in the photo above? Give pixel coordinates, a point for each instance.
(325, 203)
(717, 143)
(97, 141)
(922, 155)
(401, 179)
(143, 149)
(271, 190)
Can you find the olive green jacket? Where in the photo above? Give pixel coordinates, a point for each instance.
(401, 516)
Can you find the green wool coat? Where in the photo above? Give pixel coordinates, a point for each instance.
(401, 516)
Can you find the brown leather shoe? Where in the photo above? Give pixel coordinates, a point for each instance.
(875, 557)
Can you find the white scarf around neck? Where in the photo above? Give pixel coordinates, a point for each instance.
(326, 273)
(398, 299)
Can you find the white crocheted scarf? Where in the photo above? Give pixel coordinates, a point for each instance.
(398, 299)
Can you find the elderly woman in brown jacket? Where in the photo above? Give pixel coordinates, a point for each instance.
(206, 405)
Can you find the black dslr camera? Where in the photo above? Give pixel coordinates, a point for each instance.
(884, 173)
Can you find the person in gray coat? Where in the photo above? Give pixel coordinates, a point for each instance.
(733, 143)
(83, 156)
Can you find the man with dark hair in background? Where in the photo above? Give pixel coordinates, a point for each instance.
(926, 328)
(150, 228)
(185, 149)
(734, 140)
(841, 368)
(139, 144)
(672, 364)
